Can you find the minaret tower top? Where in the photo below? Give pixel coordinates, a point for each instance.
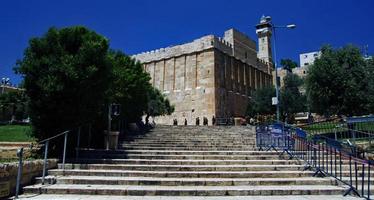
(264, 33)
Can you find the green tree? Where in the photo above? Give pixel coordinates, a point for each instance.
(261, 104)
(288, 64)
(65, 75)
(292, 101)
(370, 80)
(158, 104)
(130, 86)
(13, 105)
(337, 82)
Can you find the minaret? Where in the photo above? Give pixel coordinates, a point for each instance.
(264, 32)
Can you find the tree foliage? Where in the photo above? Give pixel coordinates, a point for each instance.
(370, 80)
(65, 75)
(129, 87)
(337, 82)
(292, 101)
(158, 104)
(288, 64)
(261, 103)
(13, 104)
(71, 76)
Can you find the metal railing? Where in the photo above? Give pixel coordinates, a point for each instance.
(324, 157)
(45, 143)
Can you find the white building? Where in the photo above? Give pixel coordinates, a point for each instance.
(308, 58)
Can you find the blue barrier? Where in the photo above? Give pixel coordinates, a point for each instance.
(323, 155)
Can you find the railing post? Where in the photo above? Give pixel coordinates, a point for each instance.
(369, 191)
(78, 141)
(45, 160)
(89, 136)
(64, 154)
(19, 174)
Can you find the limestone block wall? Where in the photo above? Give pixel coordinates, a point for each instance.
(244, 48)
(188, 82)
(31, 169)
(235, 83)
(207, 77)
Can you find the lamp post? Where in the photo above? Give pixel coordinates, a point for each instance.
(277, 92)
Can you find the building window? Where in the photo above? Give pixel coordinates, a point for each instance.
(246, 55)
(315, 55)
(305, 56)
(306, 63)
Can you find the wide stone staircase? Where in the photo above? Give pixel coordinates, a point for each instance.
(186, 161)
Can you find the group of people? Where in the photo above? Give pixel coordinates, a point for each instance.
(197, 121)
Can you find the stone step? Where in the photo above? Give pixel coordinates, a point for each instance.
(193, 143)
(185, 190)
(185, 162)
(182, 152)
(186, 139)
(189, 146)
(190, 161)
(114, 197)
(194, 174)
(192, 139)
(144, 147)
(188, 157)
(185, 167)
(101, 180)
(186, 174)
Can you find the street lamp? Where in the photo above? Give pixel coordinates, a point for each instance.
(289, 26)
(268, 28)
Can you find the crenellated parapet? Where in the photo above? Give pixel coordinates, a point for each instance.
(200, 44)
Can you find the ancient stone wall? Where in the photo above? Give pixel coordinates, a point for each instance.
(235, 83)
(188, 82)
(30, 170)
(207, 77)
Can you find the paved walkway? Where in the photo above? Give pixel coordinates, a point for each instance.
(103, 197)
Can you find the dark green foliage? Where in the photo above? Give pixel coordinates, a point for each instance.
(13, 104)
(261, 102)
(370, 80)
(292, 101)
(71, 77)
(65, 75)
(288, 64)
(130, 86)
(158, 104)
(337, 83)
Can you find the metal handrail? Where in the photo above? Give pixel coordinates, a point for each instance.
(45, 142)
(325, 158)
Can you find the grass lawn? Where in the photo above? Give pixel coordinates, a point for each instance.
(15, 133)
(330, 127)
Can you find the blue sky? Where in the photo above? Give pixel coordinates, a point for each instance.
(142, 25)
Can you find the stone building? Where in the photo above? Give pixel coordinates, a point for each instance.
(210, 76)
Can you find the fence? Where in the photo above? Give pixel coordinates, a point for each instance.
(45, 144)
(327, 157)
